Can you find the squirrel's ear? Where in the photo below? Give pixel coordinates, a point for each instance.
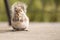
(24, 7)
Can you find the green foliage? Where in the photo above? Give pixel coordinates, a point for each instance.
(3, 16)
(38, 10)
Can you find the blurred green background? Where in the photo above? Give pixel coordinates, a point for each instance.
(37, 11)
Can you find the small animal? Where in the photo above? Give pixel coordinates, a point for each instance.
(19, 19)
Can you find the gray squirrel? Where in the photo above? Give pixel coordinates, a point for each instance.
(19, 19)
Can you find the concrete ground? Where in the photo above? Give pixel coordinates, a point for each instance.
(37, 31)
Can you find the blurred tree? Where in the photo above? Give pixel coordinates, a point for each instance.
(38, 10)
(57, 3)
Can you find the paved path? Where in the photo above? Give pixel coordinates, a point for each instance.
(37, 31)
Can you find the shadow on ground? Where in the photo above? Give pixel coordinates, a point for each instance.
(4, 31)
(11, 30)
